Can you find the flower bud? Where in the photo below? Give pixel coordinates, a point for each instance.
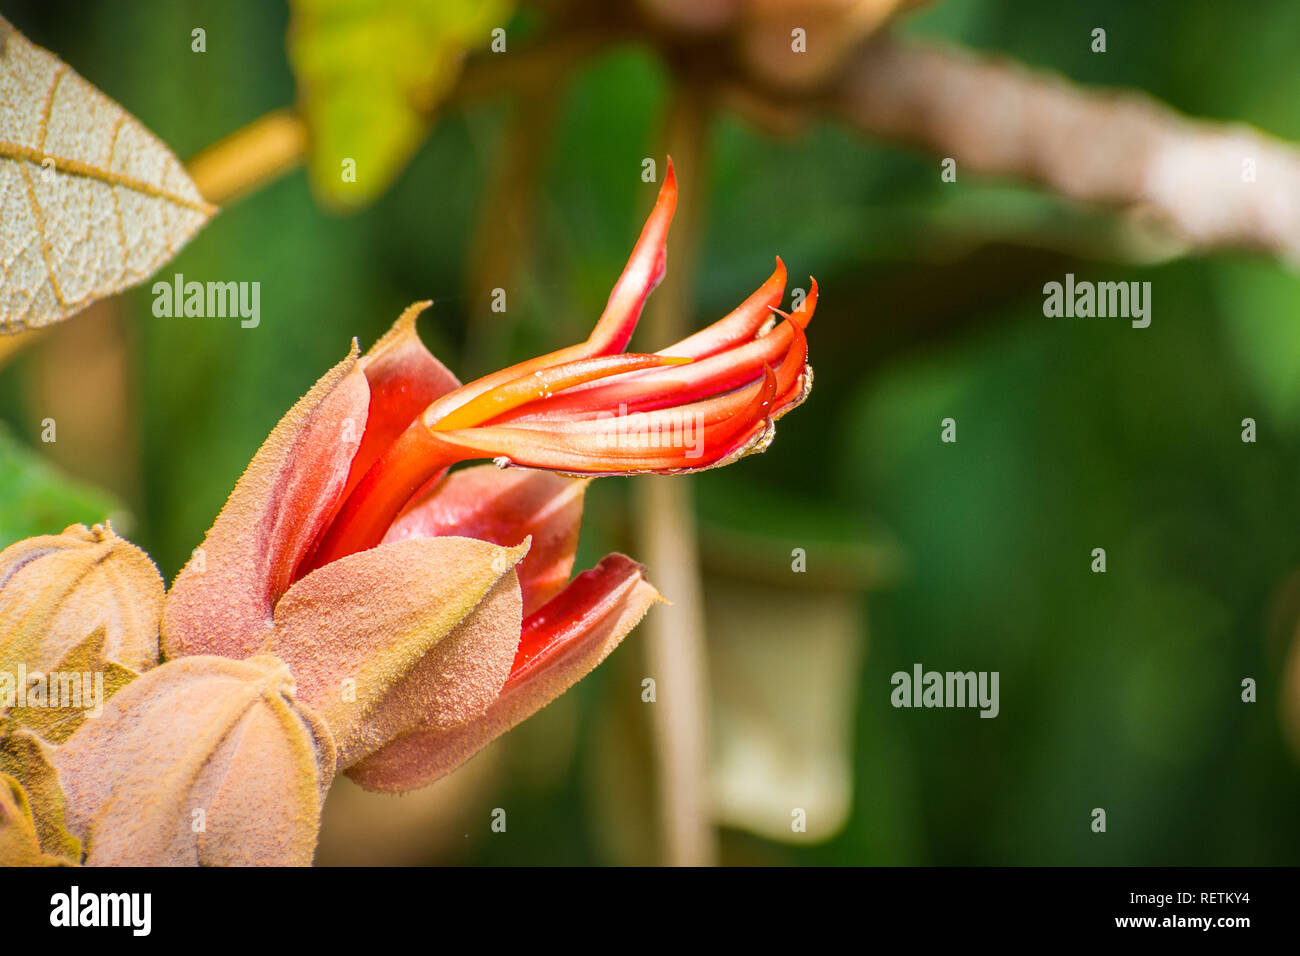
(201, 761)
(57, 590)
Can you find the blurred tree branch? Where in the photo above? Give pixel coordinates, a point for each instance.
(249, 158)
(1207, 185)
(676, 655)
(1213, 184)
(1210, 185)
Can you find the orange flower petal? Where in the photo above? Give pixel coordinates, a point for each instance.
(740, 325)
(666, 387)
(644, 269)
(536, 388)
(642, 273)
(692, 437)
(404, 379)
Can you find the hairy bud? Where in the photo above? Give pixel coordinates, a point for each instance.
(203, 760)
(57, 590)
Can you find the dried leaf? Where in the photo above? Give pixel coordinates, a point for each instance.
(18, 843)
(783, 667)
(203, 760)
(27, 759)
(92, 202)
(783, 608)
(92, 680)
(370, 76)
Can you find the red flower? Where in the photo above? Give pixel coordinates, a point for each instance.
(349, 551)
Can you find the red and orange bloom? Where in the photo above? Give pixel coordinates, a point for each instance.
(424, 612)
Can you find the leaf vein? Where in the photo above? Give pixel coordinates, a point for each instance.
(75, 167)
(45, 243)
(44, 129)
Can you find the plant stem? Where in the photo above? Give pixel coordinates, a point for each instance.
(666, 530)
(250, 157)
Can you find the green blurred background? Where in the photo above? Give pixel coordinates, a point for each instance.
(1119, 691)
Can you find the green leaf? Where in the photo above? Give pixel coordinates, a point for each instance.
(36, 498)
(1261, 300)
(370, 75)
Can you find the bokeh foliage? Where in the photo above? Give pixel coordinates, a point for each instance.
(1118, 690)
